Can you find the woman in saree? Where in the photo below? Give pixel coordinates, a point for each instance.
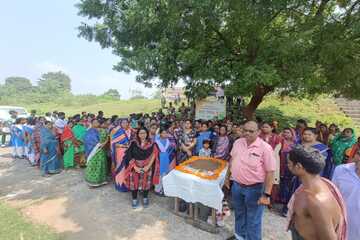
(120, 138)
(140, 169)
(310, 136)
(341, 143)
(288, 139)
(222, 144)
(49, 156)
(268, 135)
(166, 157)
(323, 134)
(352, 152)
(333, 132)
(79, 131)
(274, 140)
(67, 138)
(18, 139)
(186, 142)
(95, 141)
(37, 139)
(29, 131)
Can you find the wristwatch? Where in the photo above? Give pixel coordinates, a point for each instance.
(267, 195)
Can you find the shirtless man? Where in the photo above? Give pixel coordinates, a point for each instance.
(316, 209)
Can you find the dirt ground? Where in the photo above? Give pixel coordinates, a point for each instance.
(76, 212)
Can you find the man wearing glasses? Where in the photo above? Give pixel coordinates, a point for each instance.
(252, 168)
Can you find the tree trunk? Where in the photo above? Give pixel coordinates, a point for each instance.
(256, 99)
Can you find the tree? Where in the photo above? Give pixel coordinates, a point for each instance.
(54, 83)
(113, 94)
(20, 84)
(254, 47)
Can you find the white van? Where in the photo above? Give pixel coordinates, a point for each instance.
(5, 112)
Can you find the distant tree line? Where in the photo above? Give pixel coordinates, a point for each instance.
(51, 87)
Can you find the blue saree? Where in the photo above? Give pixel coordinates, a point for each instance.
(49, 161)
(91, 138)
(120, 139)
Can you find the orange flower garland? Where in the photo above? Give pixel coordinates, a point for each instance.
(216, 173)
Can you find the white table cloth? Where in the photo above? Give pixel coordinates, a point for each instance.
(193, 189)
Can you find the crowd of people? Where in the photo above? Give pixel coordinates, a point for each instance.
(137, 151)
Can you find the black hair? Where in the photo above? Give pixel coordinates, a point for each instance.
(208, 141)
(311, 159)
(101, 120)
(259, 119)
(18, 120)
(205, 123)
(302, 121)
(31, 121)
(313, 130)
(223, 126)
(162, 129)
(138, 131)
(77, 118)
(287, 128)
(113, 118)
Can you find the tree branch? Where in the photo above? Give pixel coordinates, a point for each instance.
(349, 12)
(321, 8)
(224, 40)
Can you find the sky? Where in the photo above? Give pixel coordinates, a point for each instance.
(39, 36)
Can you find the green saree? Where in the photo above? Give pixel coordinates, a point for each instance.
(96, 168)
(69, 152)
(79, 131)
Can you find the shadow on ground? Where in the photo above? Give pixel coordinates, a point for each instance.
(68, 205)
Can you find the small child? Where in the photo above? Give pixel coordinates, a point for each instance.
(205, 151)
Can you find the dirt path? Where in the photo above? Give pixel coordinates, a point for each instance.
(65, 203)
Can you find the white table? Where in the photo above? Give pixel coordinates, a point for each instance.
(194, 190)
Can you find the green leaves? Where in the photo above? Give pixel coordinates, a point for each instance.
(297, 47)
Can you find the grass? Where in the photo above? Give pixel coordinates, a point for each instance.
(14, 226)
(286, 111)
(110, 107)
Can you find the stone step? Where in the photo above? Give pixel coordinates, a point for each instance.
(348, 103)
(354, 116)
(344, 100)
(349, 108)
(351, 111)
(354, 105)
